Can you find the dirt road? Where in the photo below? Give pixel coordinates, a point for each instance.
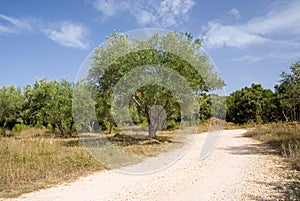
(236, 170)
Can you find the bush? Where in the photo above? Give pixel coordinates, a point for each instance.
(172, 125)
(19, 128)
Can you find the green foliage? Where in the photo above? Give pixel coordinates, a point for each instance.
(251, 105)
(11, 102)
(172, 125)
(20, 127)
(288, 93)
(204, 106)
(50, 102)
(83, 107)
(174, 51)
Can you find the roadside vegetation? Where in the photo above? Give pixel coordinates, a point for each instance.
(39, 144)
(284, 137)
(36, 158)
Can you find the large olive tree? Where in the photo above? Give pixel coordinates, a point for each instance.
(175, 52)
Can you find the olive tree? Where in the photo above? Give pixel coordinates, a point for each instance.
(288, 93)
(157, 103)
(11, 103)
(50, 102)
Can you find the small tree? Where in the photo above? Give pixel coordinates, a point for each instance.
(251, 104)
(11, 102)
(288, 93)
(51, 102)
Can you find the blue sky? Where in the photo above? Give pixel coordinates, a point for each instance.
(250, 41)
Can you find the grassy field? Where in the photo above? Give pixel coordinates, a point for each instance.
(33, 158)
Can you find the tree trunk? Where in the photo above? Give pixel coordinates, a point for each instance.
(89, 126)
(294, 113)
(152, 129)
(71, 127)
(4, 128)
(111, 125)
(286, 118)
(61, 129)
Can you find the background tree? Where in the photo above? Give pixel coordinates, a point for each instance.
(204, 106)
(138, 53)
(83, 106)
(11, 103)
(288, 93)
(50, 102)
(251, 104)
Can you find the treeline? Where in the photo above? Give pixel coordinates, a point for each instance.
(257, 105)
(48, 104)
(45, 104)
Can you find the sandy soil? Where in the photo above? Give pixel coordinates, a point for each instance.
(237, 169)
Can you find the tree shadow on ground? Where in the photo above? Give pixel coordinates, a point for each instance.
(252, 149)
(286, 190)
(127, 140)
(117, 139)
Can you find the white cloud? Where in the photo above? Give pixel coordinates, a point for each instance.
(234, 12)
(219, 35)
(5, 30)
(109, 7)
(65, 33)
(279, 56)
(249, 58)
(282, 18)
(13, 25)
(69, 34)
(166, 13)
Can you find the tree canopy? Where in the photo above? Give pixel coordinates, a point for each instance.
(159, 66)
(159, 81)
(11, 102)
(50, 103)
(251, 104)
(288, 93)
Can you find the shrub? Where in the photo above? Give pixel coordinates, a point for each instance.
(172, 125)
(20, 127)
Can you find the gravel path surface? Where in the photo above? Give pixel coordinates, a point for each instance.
(238, 169)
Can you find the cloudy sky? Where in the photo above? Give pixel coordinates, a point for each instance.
(250, 41)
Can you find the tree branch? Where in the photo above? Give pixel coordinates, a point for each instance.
(139, 105)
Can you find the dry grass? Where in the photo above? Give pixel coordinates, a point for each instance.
(143, 146)
(215, 123)
(283, 137)
(36, 160)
